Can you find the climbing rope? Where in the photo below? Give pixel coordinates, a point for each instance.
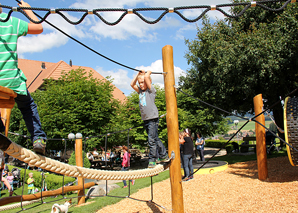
(137, 11)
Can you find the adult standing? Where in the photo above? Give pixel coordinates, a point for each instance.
(200, 143)
(187, 155)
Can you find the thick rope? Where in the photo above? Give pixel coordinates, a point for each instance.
(164, 10)
(17, 205)
(48, 164)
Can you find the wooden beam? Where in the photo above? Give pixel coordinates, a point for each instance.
(173, 129)
(80, 163)
(260, 138)
(7, 200)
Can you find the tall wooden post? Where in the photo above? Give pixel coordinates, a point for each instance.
(79, 162)
(173, 129)
(260, 138)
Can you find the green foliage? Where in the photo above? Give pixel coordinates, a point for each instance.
(72, 160)
(216, 143)
(77, 102)
(53, 181)
(234, 60)
(196, 116)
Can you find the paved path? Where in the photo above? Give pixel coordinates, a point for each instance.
(208, 152)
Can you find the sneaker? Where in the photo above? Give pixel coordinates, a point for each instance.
(10, 193)
(133, 182)
(186, 179)
(39, 146)
(165, 159)
(151, 164)
(124, 186)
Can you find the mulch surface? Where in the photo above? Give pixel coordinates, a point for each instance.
(236, 189)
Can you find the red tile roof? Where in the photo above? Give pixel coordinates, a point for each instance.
(37, 71)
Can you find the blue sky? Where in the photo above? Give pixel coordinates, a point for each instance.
(131, 42)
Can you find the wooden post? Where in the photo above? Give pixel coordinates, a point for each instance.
(79, 162)
(173, 129)
(260, 138)
(5, 115)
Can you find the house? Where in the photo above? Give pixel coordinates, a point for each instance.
(37, 71)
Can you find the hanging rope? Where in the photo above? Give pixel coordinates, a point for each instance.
(137, 11)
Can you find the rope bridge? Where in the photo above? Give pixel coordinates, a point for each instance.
(137, 11)
(49, 164)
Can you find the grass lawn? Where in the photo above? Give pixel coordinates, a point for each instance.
(97, 202)
(100, 202)
(248, 126)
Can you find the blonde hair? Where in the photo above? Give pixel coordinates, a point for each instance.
(142, 75)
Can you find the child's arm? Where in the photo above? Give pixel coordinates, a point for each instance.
(32, 27)
(147, 79)
(181, 140)
(133, 83)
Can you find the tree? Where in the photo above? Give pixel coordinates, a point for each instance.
(233, 60)
(77, 102)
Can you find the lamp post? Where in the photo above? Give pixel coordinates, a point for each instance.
(236, 124)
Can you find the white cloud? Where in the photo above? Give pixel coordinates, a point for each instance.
(40, 42)
(122, 80)
(158, 67)
(50, 37)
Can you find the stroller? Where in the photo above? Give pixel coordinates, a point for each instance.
(16, 176)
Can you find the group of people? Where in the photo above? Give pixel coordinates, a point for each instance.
(12, 77)
(104, 156)
(187, 152)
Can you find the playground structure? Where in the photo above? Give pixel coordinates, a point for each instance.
(175, 170)
(172, 124)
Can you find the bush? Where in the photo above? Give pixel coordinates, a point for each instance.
(72, 160)
(219, 143)
(53, 181)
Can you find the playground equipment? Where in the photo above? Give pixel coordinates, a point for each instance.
(290, 127)
(7, 200)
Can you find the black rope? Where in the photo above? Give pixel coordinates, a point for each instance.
(136, 11)
(222, 147)
(247, 120)
(43, 19)
(211, 105)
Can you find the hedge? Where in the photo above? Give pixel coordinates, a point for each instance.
(53, 181)
(219, 143)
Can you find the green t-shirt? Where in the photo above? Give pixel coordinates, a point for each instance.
(10, 75)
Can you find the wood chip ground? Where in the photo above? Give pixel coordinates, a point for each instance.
(236, 189)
